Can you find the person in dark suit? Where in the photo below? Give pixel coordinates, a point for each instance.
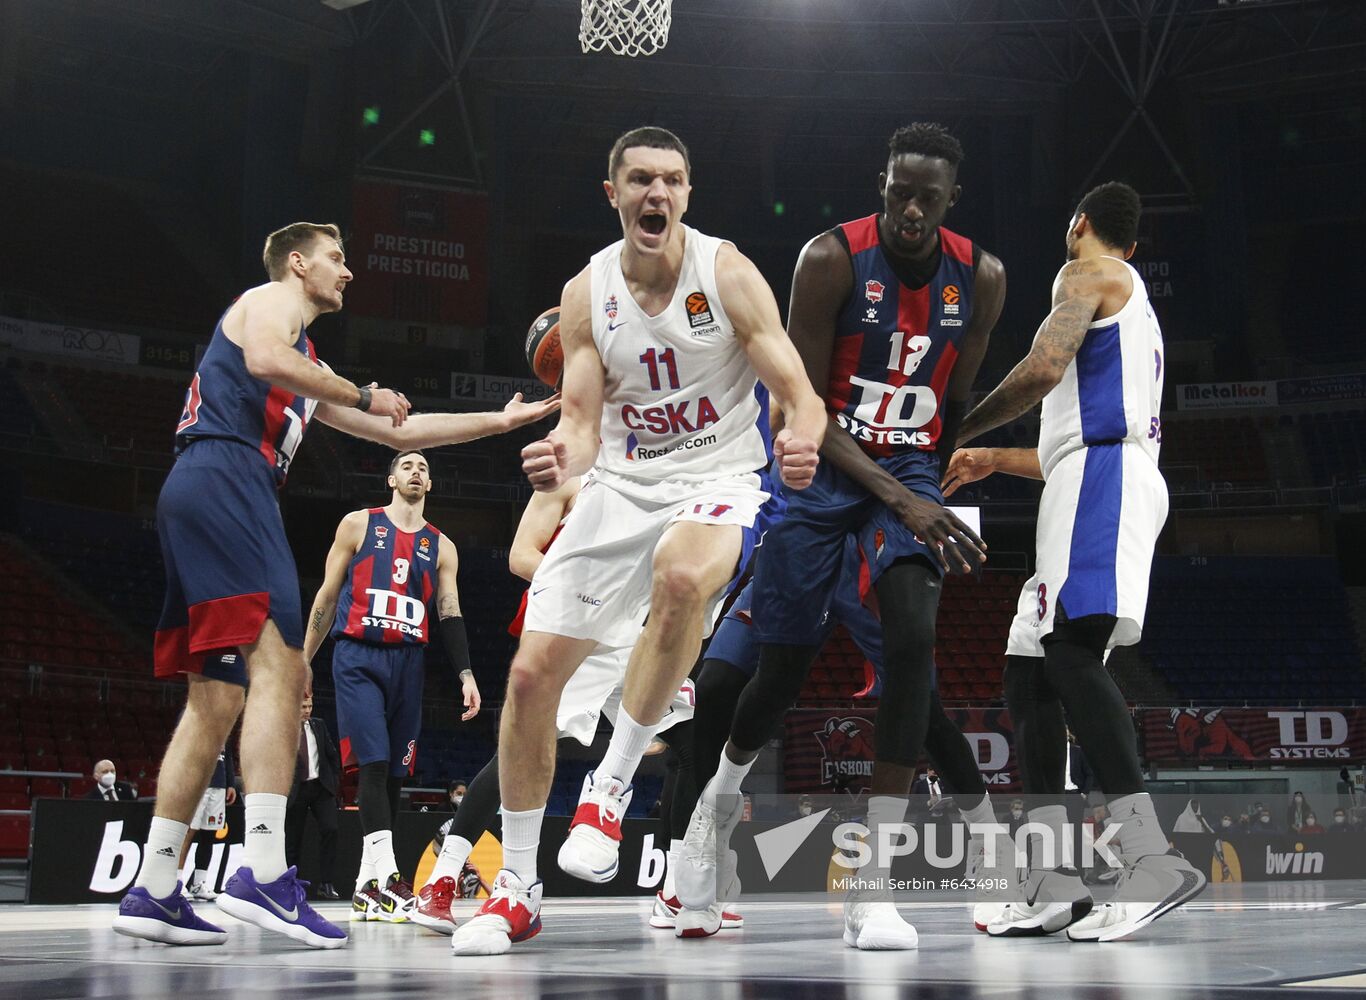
(317, 784)
(107, 785)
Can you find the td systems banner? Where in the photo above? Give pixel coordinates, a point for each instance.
(1313, 736)
(418, 253)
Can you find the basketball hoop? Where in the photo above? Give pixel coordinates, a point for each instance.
(625, 27)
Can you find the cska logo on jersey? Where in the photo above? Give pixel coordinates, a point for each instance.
(873, 289)
(610, 307)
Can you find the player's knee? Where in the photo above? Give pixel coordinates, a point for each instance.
(678, 585)
(214, 699)
(529, 680)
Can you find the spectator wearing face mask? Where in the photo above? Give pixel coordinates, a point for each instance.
(1297, 813)
(1265, 823)
(1226, 824)
(1015, 816)
(455, 793)
(1339, 824)
(1312, 825)
(107, 785)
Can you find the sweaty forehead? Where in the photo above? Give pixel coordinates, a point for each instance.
(653, 161)
(920, 171)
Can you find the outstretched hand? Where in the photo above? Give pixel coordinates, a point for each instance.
(522, 413)
(967, 466)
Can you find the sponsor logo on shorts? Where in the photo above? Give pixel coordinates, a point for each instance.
(699, 310)
(589, 599)
(883, 435)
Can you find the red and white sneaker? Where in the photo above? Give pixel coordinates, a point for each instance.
(434, 906)
(665, 914)
(590, 850)
(512, 913)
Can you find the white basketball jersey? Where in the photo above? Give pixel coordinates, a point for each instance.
(679, 401)
(1112, 390)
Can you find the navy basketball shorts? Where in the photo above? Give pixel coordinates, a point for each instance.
(799, 564)
(228, 564)
(379, 703)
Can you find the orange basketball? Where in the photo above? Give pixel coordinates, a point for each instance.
(543, 351)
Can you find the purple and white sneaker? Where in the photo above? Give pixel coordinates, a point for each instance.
(279, 906)
(170, 920)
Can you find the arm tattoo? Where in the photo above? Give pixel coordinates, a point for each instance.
(320, 617)
(448, 606)
(1055, 345)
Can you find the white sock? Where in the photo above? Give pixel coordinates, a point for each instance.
(629, 740)
(669, 889)
(1059, 854)
(521, 838)
(884, 811)
(981, 813)
(726, 781)
(161, 856)
(200, 877)
(1139, 832)
(455, 851)
(366, 872)
(381, 844)
(264, 847)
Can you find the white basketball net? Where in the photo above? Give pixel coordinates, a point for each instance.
(625, 27)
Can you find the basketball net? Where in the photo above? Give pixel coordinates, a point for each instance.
(625, 27)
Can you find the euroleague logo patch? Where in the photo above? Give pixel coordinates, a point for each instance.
(699, 310)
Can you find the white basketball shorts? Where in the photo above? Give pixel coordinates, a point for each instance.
(1101, 512)
(595, 690)
(594, 583)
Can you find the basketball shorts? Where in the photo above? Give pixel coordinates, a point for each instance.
(228, 565)
(1099, 517)
(379, 703)
(595, 581)
(798, 566)
(212, 811)
(595, 691)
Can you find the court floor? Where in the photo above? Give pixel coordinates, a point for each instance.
(1305, 939)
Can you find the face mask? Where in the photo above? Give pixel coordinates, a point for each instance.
(107, 779)
(1226, 822)
(1017, 813)
(1266, 819)
(457, 799)
(1339, 819)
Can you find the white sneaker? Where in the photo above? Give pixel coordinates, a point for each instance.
(705, 861)
(590, 851)
(1052, 899)
(512, 913)
(664, 915)
(1150, 888)
(200, 892)
(997, 884)
(875, 925)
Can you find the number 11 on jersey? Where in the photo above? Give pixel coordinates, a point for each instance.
(653, 360)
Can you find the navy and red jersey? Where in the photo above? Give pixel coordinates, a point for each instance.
(224, 400)
(895, 345)
(392, 584)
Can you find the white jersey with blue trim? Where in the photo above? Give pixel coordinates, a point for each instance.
(679, 400)
(1112, 390)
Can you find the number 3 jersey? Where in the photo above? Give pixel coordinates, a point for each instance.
(896, 345)
(680, 399)
(391, 584)
(224, 400)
